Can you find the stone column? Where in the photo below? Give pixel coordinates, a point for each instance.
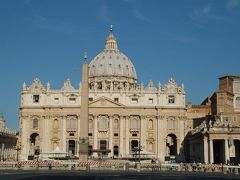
(161, 142)
(110, 136)
(64, 129)
(205, 149)
(178, 146)
(78, 135)
(45, 138)
(95, 135)
(127, 135)
(44, 135)
(226, 151)
(122, 128)
(211, 151)
(143, 134)
(23, 155)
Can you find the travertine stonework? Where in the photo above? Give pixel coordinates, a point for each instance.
(122, 113)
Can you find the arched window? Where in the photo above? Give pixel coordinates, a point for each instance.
(171, 123)
(35, 124)
(150, 124)
(90, 124)
(115, 124)
(72, 123)
(103, 123)
(237, 101)
(134, 123)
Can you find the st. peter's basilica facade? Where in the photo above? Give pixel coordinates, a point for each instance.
(123, 114)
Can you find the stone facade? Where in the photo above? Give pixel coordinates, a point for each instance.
(122, 113)
(216, 138)
(8, 140)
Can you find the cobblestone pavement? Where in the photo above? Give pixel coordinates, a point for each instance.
(64, 175)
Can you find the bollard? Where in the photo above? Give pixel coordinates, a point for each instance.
(113, 168)
(138, 167)
(236, 171)
(225, 169)
(126, 167)
(88, 167)
(49, 166)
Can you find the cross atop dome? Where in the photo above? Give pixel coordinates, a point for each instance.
(111, 42)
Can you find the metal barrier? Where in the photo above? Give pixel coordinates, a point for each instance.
(120, 166)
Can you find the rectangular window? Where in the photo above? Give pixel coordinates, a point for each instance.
(171, 123)
(90, 99)
(71, 134)
(116, 99)
(72, 123)
(103, 144)
(171, 99)
(150, 100)
(56, 100)
(89, 134)
(35, 123)
(115, 134)
(134, 135)
(134, 100)
(35, 98)
(72, 99)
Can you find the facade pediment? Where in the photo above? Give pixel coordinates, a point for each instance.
(36, 86)
(104, 102)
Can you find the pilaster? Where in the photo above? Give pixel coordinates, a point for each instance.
(121, 149)
(110, 136)
(127, 135)
(211, 158)
(205, 147)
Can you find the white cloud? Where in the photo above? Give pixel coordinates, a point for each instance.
(206, 12)
(138, 14)
(52, 24)
(104, 13)
(231, 4)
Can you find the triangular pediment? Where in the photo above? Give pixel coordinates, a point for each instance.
(104, 102)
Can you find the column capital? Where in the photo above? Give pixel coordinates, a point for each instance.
(160, 117)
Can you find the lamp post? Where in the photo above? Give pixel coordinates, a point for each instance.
(137, 152)
(18, 149)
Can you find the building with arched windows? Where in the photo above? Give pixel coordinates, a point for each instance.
(122, 114)
(8, 142)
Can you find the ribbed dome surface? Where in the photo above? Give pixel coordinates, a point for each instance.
(111, 62)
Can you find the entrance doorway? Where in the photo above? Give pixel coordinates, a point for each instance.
(171, 145)
(115, 151)
(35, 144)
(103, 146)
(71, 147)
(218, 152)
(134, 145)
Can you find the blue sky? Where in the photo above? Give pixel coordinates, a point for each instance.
(193, 41)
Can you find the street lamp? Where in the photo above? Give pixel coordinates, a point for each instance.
(137, 151)
(18, 149)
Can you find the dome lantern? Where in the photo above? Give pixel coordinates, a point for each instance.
(111, 42)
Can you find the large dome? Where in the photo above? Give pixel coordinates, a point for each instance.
(111, 62)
